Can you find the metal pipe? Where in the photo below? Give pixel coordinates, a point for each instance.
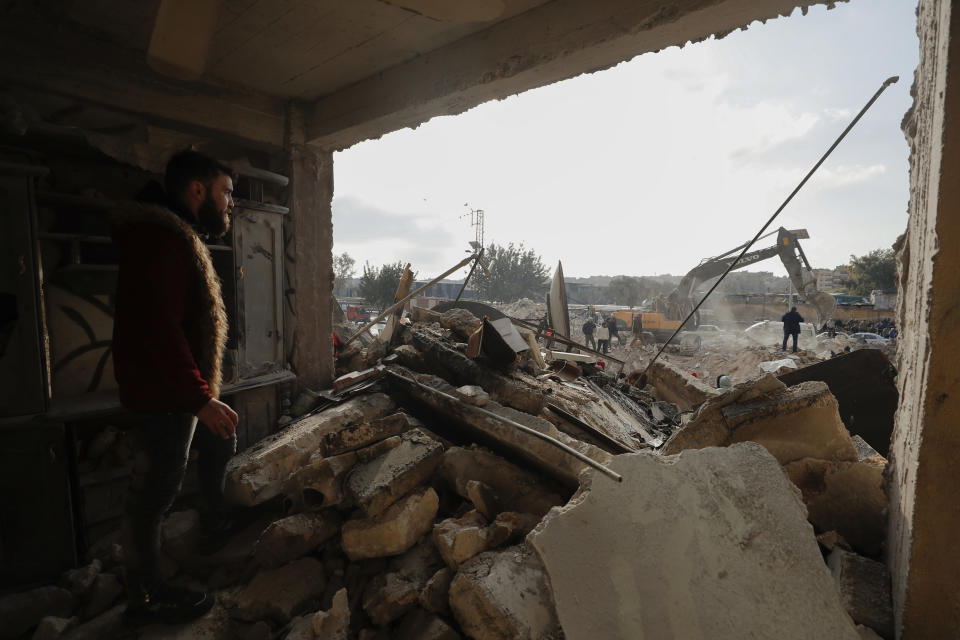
(533, 432)
(467, 279)
(886, 83)
(399, 303)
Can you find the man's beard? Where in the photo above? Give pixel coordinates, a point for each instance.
(214, 221)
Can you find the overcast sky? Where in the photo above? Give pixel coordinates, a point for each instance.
(648, 167)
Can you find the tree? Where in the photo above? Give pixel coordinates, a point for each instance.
(626, 290)
(512, 272)
(378, 286)
(875, 270)
(343, 270)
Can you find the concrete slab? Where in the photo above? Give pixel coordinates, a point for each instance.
(708, 544)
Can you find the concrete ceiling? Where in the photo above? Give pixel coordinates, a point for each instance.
(271, 73)
(301, 49)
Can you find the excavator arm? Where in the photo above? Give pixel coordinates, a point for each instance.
(680, 302)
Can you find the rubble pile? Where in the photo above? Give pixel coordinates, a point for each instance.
(431, 495)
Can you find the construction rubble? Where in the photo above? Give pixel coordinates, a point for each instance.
(430, 495)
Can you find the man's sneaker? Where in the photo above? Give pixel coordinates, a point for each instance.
(169, 605)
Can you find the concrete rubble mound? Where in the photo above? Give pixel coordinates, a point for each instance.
(429, 494)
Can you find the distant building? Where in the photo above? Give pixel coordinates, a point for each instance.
(882, 300)
(831, 279)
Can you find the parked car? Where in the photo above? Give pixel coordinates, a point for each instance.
(772, 331)
(837, 335)
(870, 338)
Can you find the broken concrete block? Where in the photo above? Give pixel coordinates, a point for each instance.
(388, 596)
(459, 539)
(510, 526)
(319, 482)
(854, 504)
(473, 395)
(483, 498)
(460, 321)
(105, 591)
(420, 625)
(258, 473)
(180, 533)
(675, 385)
(376, 485)
(333, 624)
(801, 422)
(21, 611)
(504, 595)
(108, 624)
(294, 536)
(726, 552)
(395, 530)
(301, 628)
(358, 436)
(80, 580)
(516, 488)
(433, 596)
(410, 358)
(52, 628)
(214, 625)
(279, 594)
(864, 587)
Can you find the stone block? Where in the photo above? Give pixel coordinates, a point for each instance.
(108, 624)
(53, 628)
(377, 484)
(503, 595)
(395, 530)
(800, 422)
(105, 591)
(358, 436)
(420, 625)
(484, 499)
(22, 611)
(675, 385)
(516, 488)
(509, 527)
(294, 536)
(864, 587)
(712, 543)
(257, 474)
(279, 594)
(459, 539)
(79, 581)
(473, 395)
(388, 596)
(434, 595)
(333, 624)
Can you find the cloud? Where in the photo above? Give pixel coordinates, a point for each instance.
(846, 175)
(357, 222)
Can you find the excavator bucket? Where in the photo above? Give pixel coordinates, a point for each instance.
(802, 277)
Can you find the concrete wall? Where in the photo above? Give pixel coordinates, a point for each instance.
(924, 473)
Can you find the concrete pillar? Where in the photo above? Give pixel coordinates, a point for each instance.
(924, 471)
(308, 240)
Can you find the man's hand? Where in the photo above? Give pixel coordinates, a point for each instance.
(219, 418)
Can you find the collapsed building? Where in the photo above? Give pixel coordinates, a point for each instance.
(89, 111)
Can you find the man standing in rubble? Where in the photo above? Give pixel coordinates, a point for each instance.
(588, 328)
(170, 331)
(791, 327)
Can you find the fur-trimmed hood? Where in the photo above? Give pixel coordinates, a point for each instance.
(212, 323)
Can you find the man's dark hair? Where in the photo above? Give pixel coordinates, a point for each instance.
(188, 165)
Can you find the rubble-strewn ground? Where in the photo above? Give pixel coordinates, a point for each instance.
(435, 496)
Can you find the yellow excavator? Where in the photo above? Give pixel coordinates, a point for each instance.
(670, 311)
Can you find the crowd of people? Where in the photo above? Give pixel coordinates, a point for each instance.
(884, 327)
(600, 337)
